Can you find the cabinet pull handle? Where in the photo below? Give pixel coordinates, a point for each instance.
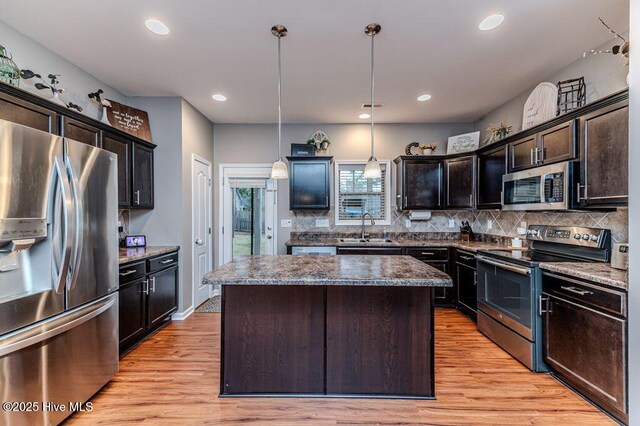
(537, 159)
(580, 197)
(576, 290)
(137, 200)
(146, 287)
(129, 272)
(471, 200)
(153, 283)
(428, 253)
(405, 201)
(467, 257)
(540, 309)
(164, 262)
(532, 156)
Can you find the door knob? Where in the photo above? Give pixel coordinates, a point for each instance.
(269, 237)
(199, 241)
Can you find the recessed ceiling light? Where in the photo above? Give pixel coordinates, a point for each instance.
(218, 97)
(364, 116)
(425, 97)
(491, 22)
(157, 27)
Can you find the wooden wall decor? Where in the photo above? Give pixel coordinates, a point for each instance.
(541, 105)
(128, 119)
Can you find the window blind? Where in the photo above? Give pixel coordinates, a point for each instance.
(357, 194)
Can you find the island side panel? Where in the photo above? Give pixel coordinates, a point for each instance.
(380, 341)
(273, 340)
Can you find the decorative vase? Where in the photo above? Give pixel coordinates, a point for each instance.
(427, 151)
(9, 71)
(105, 118)
(324, 145)
(56, 99)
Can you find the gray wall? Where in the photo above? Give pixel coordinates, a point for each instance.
(28, 54)
(257, 143)
(634, 222)
(197, 138)
(603, 74)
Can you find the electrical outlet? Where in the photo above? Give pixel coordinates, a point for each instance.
(523, 225)
(452, 223)
(285, 223)
(322, 223)
(489, 224)
(407, 223)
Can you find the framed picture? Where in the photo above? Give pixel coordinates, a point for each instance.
(463, 143)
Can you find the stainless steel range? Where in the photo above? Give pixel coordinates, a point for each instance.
(509, 285)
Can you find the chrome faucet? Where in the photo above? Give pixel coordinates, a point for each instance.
(373, 222)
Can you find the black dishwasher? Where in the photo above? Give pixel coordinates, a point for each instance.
(585, 335)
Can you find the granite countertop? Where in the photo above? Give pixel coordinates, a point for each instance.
(472, 246)
(328, 270)
(601, 273)
(126, 255)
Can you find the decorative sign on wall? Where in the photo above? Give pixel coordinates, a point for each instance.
(463, 143)
(128, 119)
(541, 105)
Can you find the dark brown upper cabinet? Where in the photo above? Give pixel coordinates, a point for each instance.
(557, 144)
(142, 177)
(309, 183)
(419, 183)
(122, 148)
(548, 146)
(522, 154)
(460, 182)
(492, 164)
(604, 157)
(22, 112)
(81, 132)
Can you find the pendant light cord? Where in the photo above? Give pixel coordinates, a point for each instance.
(279, 99)
(372, 86)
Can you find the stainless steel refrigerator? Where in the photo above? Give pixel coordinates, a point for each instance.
(58, 274)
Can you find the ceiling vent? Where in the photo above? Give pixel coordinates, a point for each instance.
(368, 105)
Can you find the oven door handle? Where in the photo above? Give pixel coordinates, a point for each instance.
(516, 269)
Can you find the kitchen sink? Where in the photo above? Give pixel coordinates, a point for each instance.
(365, 240)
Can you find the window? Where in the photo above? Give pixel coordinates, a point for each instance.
(356, 195)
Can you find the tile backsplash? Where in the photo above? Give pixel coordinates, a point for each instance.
(504, 223)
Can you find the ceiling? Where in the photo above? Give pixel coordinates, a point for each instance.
(426, 46)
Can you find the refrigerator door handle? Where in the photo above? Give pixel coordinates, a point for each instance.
(41, 332)
(61, 271)
(78, 214)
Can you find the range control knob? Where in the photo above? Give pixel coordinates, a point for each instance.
(577, 236)
(586, 237)
(594, 238)
(534, 232)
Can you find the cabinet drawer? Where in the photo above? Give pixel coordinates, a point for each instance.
(161, 262)
(132, 271)
(584, 293)
(428, 254)
(466, 258)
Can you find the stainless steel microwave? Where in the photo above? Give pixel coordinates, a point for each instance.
(541, 188)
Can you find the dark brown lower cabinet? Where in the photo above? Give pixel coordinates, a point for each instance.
(148, 295)
(132, 308)
(438, 257)
(379, 341)
(585, 340)
(273, 339)
(162, 299)
(327, 340)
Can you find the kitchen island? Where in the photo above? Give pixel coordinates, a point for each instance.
(327, 326)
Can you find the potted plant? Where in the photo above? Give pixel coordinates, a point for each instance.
(428, 149)
(498, 132)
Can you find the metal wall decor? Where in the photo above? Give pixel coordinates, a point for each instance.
(572, 94)
(9, 71)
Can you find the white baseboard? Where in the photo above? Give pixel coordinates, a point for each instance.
(216, 291)
(181, 316)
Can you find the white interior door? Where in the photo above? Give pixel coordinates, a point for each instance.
(249, 206)
(201, 211)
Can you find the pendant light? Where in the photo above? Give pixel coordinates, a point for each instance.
(279, 169)
(372, 168)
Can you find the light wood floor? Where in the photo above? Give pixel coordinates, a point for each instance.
(172, 378)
